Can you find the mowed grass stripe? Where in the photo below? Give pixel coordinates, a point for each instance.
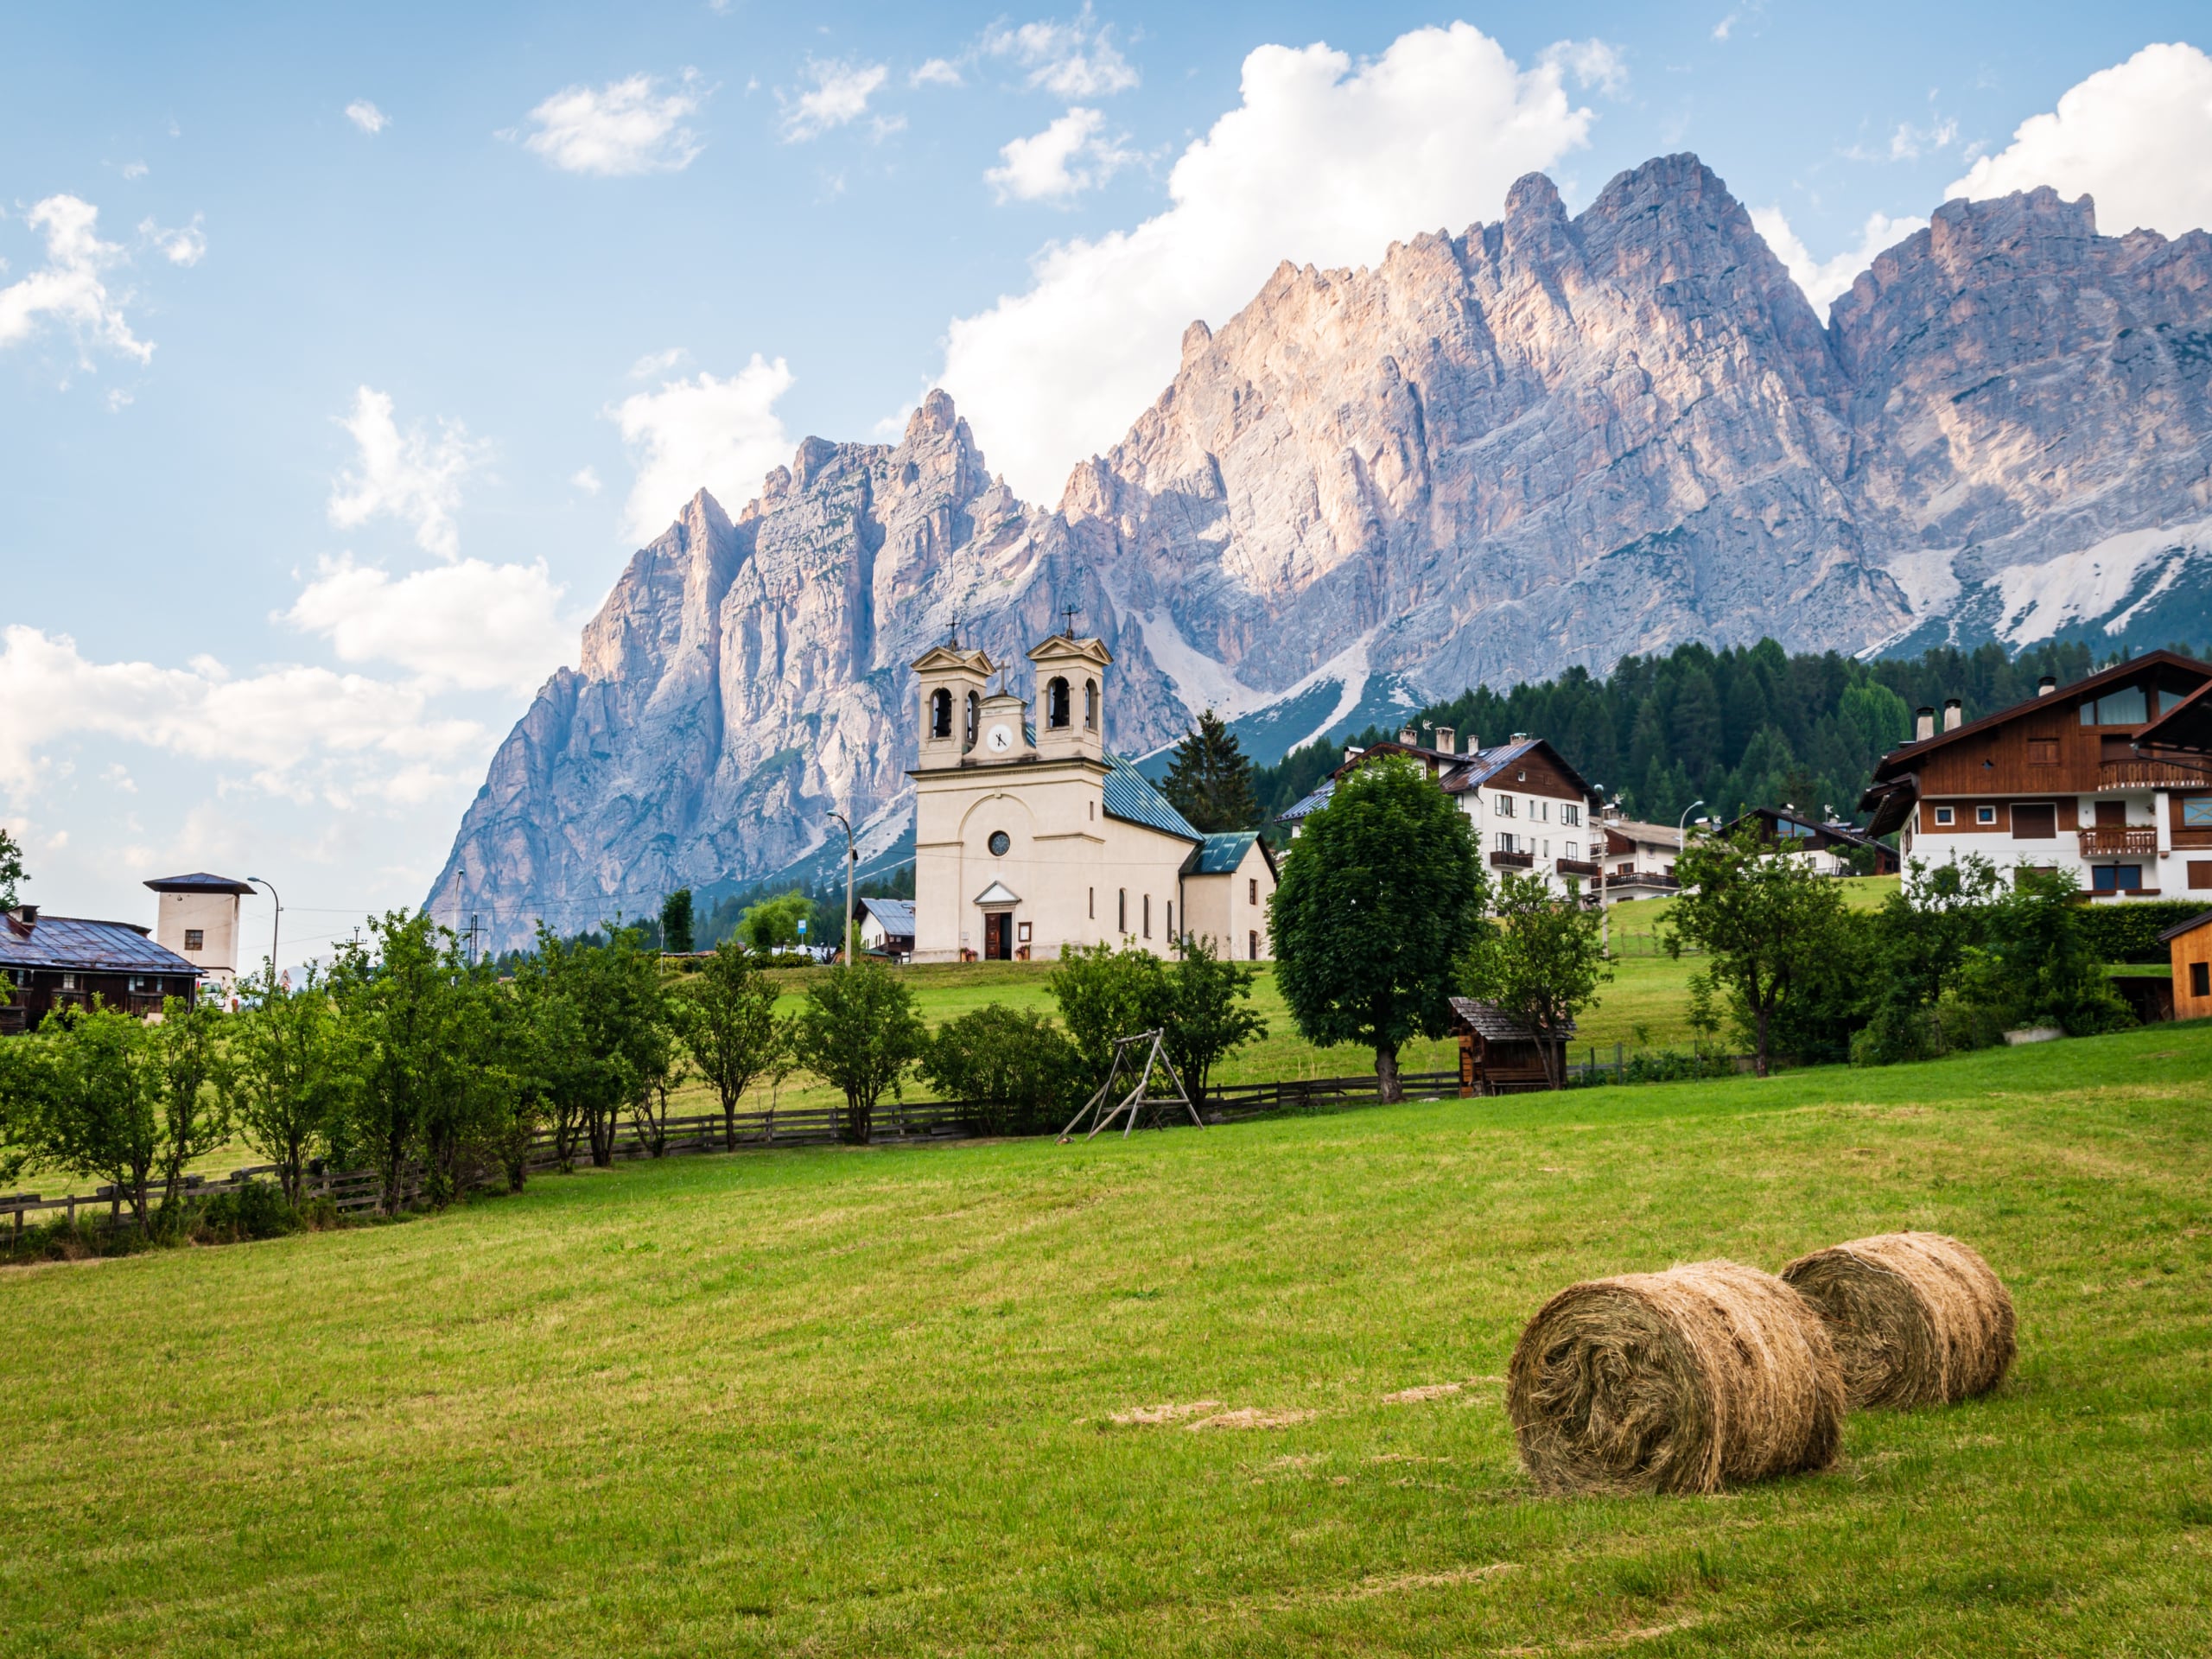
(862, 1401)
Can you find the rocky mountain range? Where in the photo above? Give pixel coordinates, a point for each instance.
(1549, 440)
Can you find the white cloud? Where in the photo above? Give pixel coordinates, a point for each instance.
(405, 475)
(1824, 281)
(1910, 142)
(721, 435)
(136, 170)
(1323, 161)
(587, 479)
(2134, 137)
(840, 94)
(1068, 157)
(1724, 28)
(185, 245)
(365, 116)
(625, 127)
(653, 362)
(472, 625)
(1077, 60)
(69, 287)
(118, 398)
(1591, 62)
(293, 730)
(937, 72)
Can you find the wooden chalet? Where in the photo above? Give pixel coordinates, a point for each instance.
(2107, 780)
(55, 961)
(1499, 1057)
(2191, 945)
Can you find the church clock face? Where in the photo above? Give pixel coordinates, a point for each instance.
(1000, 739)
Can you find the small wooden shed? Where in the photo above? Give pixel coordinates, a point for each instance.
(1498, 1056)
(2191, 944)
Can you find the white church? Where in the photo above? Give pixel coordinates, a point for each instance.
(1032, 835)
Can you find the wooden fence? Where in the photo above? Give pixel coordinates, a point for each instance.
(897, 1123)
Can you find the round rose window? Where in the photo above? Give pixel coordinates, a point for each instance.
(998, 843)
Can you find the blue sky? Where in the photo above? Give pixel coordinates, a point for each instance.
(321, 431)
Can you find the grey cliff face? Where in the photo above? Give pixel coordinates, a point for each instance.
(1545, 441)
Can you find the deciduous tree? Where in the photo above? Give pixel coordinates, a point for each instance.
(858, 1031)
(1379, 896)
(1205, 1013)
(725, 1015)
(290, 1071)
(1540, 960)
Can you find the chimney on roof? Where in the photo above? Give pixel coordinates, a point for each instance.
(1352, 753)
(1954, 715)
(27, 914)
(2046, 685)
(1409, 737)
(1447, 740)
(1923, 725)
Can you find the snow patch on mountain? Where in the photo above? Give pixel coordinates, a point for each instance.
(2036, 601)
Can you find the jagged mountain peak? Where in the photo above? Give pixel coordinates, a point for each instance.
(1541, 442)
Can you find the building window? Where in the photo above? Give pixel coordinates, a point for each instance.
(1252, 948)
(1505, 807)
(1944, 814)
(1171, 918)
(2125, 706)
(2196, 812)
(1147, 915)
(68, 982)
(1506, 844)
(975, 719)
(940, 713)
(195, 938)
(2116, 878)
(1121, 909)
(2200, 877)
(1090, 902)
(1540, 810)
(1985, 814)
(1573, 851)
(2038, 821)
(2200, 979)
(1090, 705)
(1570, 813)
(1056, 704)
(1252, 890)
(998, 843)
(2043, 750)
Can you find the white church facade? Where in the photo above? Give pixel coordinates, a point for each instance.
(1030, 834)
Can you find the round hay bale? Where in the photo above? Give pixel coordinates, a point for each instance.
(1678, 1382)
(1917, 1318)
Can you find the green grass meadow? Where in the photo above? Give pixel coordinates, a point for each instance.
(892, 1400)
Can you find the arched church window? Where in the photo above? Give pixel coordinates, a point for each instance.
(1056, 703)
(1090, 705)
(940, 713)
(975, 719)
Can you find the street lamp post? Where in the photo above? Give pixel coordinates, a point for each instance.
(277, 916)
(852, 858)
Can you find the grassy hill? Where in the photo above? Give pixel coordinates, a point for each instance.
(867, 1402)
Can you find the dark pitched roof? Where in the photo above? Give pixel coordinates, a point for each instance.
(2187, 725)
(1310, 804)
(1907, 756)
(1485, 1020)
(1131, 797)
(894, 916)
(2188, 927)
(1455, 773)
(1220, 854)
(200, 881)
(68, 942)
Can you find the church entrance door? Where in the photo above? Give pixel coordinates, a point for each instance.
(998, 936)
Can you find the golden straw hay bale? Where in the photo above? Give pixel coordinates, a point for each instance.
(1917, 1318)
(1678, 1382)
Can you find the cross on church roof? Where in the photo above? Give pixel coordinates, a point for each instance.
(1068, 611)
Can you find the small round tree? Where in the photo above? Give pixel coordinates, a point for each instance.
(1379, 896)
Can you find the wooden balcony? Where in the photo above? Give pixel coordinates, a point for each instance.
(1513, 860)
(1586, 868)
(2143, 772)
(2140, 842)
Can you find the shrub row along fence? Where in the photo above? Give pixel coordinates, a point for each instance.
(354, 1192)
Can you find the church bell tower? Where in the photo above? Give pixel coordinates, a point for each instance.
(953, 683)
(1070, 697)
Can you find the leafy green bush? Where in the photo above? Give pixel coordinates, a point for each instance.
(1014, 1066)
(255, 1210)
(1672, 1066)
(2128, 931)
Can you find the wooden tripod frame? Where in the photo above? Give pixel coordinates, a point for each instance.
(1138, 1099)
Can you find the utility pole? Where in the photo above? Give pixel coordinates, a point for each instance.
(852, 858)
(275, 917)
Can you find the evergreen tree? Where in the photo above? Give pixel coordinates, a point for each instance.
(676, 922)
(1210, 781)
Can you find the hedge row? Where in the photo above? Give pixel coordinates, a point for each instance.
(2128, 931)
